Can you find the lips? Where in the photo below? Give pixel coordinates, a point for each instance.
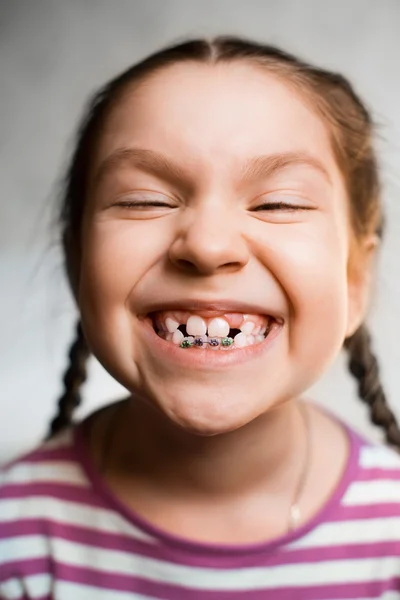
(205, 359)
(226, 331)
(208, 308)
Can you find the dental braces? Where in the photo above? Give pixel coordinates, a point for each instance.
(199, 342)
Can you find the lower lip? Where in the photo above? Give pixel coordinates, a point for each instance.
(205, 359)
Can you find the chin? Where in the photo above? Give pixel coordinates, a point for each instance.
(204, 427)
(215, 416)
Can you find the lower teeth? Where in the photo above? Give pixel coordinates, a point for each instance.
(214, 343)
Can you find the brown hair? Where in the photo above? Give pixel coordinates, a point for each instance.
(351, 130)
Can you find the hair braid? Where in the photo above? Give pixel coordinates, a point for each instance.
(73, 378)
(363, 365)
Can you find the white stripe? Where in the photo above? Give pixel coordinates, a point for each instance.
(70, 513)
(35, 585)
(372, 492)
(385, 596)
(380, 457)
(255, 578)
(66, 590)
(357, 531)
(11, 589)
(45, 471)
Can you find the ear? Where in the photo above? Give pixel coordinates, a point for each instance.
(359, 279)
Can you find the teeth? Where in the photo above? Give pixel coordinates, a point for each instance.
(253, 330)
(196, 326)
(177, 337)
(171, 324)
(247, 327)
(240, 340)
(218, 328)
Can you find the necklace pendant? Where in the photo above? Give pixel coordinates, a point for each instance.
(294, 516)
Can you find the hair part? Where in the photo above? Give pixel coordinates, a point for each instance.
(351, 130)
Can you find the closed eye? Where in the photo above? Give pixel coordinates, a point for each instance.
(283, 206)
(142, 204)
(144, 199)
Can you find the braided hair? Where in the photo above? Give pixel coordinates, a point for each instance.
(73, 378)
(351, 131)
(363, 365)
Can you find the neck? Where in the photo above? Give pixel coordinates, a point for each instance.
(267, 453)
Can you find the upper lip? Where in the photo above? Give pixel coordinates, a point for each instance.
(211, 307)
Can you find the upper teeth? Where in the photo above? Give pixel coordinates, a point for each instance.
(171, 324)
(247, 327)
(216, 327)
(196, 326)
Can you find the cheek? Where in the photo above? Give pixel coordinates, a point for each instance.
(310, 264)
(117, 255)
(116, 260)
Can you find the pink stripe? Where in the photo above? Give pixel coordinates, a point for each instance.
(41, 453)
(25, 568)
(132, 584)
(61, 491)
(24, 597)
(367, 511)
(378, 474)
(46, 597)
(175, 555)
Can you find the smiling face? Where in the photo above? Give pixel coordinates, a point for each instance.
(214, 189)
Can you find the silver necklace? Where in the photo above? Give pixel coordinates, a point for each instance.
(294, 510)
(294, 516)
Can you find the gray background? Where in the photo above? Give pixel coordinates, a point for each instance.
(52, 55)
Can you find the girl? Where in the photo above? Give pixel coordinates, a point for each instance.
(220, 220)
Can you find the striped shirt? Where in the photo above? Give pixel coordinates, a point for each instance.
(65, 536)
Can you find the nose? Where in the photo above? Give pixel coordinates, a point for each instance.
(209, 241)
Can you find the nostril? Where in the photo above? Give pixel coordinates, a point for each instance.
(186, 265)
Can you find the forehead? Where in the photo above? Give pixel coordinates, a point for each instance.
(213, 117)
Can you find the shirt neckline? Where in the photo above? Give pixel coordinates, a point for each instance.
(111, 501)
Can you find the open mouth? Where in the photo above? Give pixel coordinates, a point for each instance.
(227, 331)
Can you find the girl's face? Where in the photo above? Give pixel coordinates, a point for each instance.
(214, 193)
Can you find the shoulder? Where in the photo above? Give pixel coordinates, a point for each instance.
(376, 481)
(41, 492)
(377, 462)
(369, 511)
(377, 456)
(33, 485)
(51, 460)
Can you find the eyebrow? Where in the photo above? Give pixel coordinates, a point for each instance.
(267, 165)
(158, 164)
(148, 160)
